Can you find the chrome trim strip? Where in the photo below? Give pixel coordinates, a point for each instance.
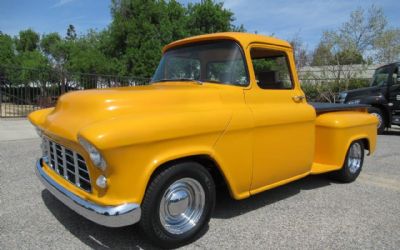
(64, 162)
(110, 216)
(76, 165)
(55, 159)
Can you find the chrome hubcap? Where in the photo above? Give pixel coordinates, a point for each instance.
(355, 157)
(182, 206)
(379, 119)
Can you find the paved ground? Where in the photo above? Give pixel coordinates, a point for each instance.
(311, 213)
(16, 129)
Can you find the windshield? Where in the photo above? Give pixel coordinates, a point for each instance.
(216, 62)
(380, 77)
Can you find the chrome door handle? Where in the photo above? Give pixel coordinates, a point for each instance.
(298, 98)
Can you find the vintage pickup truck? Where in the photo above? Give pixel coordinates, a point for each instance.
(224, 108)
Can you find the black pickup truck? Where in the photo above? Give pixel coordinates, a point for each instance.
(383, 96)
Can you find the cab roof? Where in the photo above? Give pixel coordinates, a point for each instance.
(244, 39)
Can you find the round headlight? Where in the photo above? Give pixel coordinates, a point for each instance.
(94, 154)
(101, 181)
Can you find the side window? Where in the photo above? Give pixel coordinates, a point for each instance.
(271, 69)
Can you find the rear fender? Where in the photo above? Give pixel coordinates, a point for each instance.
(335, 132)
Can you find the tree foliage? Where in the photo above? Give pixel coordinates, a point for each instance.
(301, 55)
(346, 52)
(363, 38)
(139, 31)
(130, 45)
(27, 40)
(387, 46)
(7, 55)
(362, 29)
(71, 33)
(217, 18)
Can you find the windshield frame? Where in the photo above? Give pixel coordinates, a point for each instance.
(213, 41)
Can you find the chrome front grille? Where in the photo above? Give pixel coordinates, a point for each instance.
(68, 164)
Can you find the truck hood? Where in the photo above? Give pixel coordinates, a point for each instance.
(79, 109)
(362, 92)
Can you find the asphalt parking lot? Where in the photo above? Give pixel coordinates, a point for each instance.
(312, 213)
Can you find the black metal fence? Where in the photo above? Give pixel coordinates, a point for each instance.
(25, 90)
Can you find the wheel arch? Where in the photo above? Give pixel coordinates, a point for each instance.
(366, 143)
(207, 161)
(363, 138)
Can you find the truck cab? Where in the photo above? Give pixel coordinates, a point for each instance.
(383, 95)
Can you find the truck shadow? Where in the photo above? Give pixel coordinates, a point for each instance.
(100, 237)
(392, 132)
(93, 235)
(227, 207)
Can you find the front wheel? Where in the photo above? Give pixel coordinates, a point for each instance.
(381, 119)
(353, 163)
(178, 203)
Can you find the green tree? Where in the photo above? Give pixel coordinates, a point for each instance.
(55, 48)
(86, 57)
(300, 51)
(362, 29)
(348, 57)
(27, 40)
(322, 55)
(387, 46)
(33, 68)
(140, 28)
(71, 33)
(7, 54)
(131, 45)
(353, 41)
(136, 34)
(209, 16)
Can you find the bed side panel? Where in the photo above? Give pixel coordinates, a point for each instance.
(334, 133)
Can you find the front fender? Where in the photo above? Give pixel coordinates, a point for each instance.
(134, 147)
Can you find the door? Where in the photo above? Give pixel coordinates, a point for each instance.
(394, 91)
(283, 121)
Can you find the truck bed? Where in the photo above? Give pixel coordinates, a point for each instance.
(321, 107)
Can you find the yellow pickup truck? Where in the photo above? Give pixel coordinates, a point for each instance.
(224, 108)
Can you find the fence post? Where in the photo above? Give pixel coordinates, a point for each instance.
(1, 99)
(63, 80)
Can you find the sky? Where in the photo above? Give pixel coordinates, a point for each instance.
(283, 19)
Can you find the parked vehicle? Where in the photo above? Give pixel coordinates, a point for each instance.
(383, 95)
(221, 108)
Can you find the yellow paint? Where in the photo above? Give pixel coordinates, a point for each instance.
(334, 134)
(258, 138)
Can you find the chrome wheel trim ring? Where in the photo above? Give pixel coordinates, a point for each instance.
(182, 206)
(355, 158)
(380, 121)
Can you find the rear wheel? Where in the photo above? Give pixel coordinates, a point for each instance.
(178, 204)
(381, 118)
(353, 163)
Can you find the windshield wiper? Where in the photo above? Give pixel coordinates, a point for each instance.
(180, 80)
(213, 81)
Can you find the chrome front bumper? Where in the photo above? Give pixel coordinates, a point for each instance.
(110, 216)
